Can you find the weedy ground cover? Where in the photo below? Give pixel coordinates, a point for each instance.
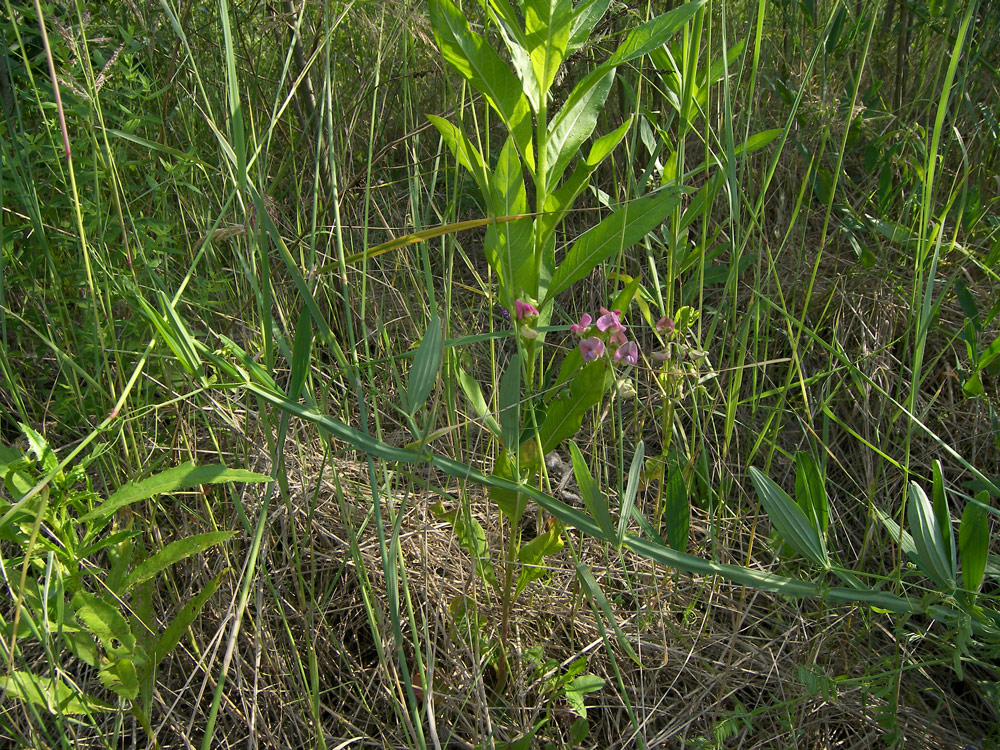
(499, 374)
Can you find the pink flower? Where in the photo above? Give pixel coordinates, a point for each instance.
(629, 352)
(591, 349)
(523, 308)
(665, 325)
(580, 328)
(617, 338)
(610, 320)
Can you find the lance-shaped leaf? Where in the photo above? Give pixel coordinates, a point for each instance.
(585, 17)
(474, 393)
(575, 121)
(465, 153)
(941, 513)
(810, 491)
(426, 363)
(631, 490)
(789, 520)
(653, 34)
(595, 500)
(482, 67)
(618, 232)
(547, 26)
(557, 204)
(565, 414)
(933, 554)
(677, 509)
(509, 246)
(509, 24)
(510, 403)
(974, 542)
(174, 553)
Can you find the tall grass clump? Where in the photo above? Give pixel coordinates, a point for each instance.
(508, 374)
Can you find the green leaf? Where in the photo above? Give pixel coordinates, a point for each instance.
(631, 490)
(39, 447)
(510, 500)
(120, 676)
(509, 247)
(547, 26)
(586, 16)
(301, 355)
(933, 556)
(533, 553)
(172, 634)
(810, 491)
(654, 33)
(174, 553)
(566, 411)
(593, 498)
(509, 401)
(677, 509)
(465, 153)
(974, 542)
(477, 401)
(104, 620)
(51, 694)
(575, 121)
(941, 513)
(181, 477)
(426, 363)
(618, 232)
(789, 520)
(481, 66)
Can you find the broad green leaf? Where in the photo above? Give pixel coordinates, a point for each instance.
(465, 153)
(974, 542)
(594, 593)
(509, 246)
(898, 535)
(39, 447)
(426, 363)
(810, 491)
(789, 520)
(183, 477)
(174, 553)
(593, 498)
(941, 513)
(509, 402)
(586, 16)
(933, 556)
(104, 620)
(575, 121)
(547, 26)
(618, 232)
(566, 411)
(676, 509)
(631, 490)
(532, 554)
(476, 399)
(481, 66)
(505, 489)
(509, 25)
(119, 675)
(654, 33)
(51, 694)
(171, 636)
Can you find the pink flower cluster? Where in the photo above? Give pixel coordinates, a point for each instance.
(610, 323)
